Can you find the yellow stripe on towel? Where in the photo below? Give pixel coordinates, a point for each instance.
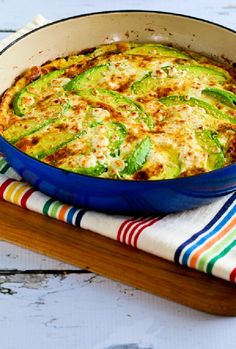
(18, 188)
(19, 193)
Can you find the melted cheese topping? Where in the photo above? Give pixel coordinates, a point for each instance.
(125, 111)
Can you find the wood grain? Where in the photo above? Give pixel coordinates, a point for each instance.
(119, 262)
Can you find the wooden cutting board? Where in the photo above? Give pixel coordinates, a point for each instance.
(104, 256)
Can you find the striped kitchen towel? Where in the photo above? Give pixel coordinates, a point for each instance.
(202, 238)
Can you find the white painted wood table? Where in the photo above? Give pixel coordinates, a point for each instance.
(47, 304)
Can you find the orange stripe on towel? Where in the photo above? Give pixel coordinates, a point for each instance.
(62, 213)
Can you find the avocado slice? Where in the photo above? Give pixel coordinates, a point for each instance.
(194, 102)
(42, 144)
(118, 102)
(156, 50)
(137, 158)
(200, 71)
(88, 79)
(208, 141)
(32, 91)
(104, 49)
(145, 85)
(30, 124)
(49, 139)
(90, 171)
(24, 128)
(150, 83)
(226, 97)
(115, 132)
(169, 160)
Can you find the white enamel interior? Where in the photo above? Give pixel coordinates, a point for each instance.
(72, 35)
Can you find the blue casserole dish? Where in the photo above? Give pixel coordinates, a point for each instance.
(117, 196)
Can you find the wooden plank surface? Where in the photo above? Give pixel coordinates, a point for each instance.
(109, 258)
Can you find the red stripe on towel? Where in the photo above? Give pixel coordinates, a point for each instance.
(26, 196)
(131, 227)
(232, 277)
(127, 223)
(138, 233)
(4, 186)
